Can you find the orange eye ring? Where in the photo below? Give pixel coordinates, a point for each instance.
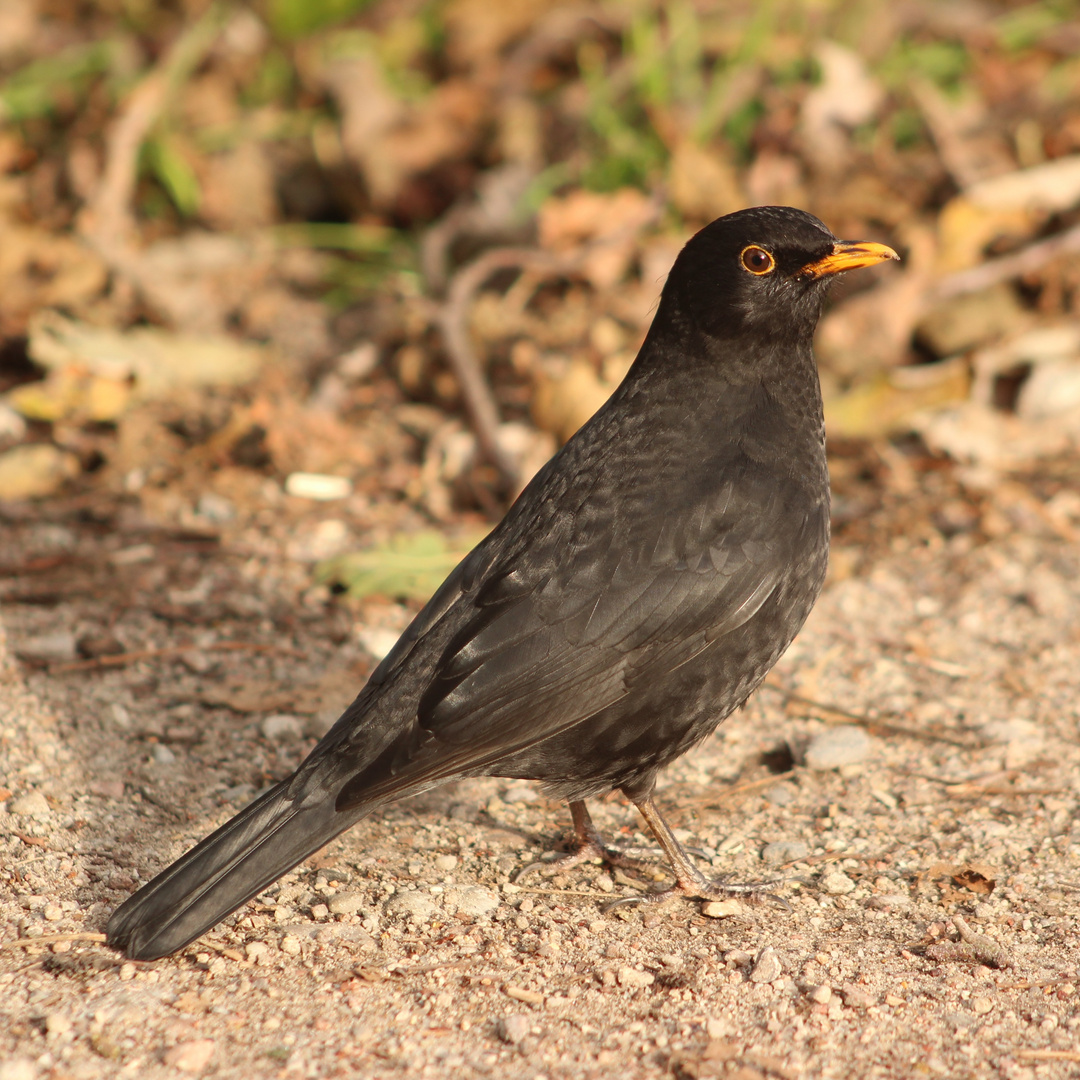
(757, 260)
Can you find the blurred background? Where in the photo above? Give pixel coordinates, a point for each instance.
(307, 278)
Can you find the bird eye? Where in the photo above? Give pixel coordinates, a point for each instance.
(757, 260)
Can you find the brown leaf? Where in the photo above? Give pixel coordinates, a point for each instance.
(975, 878)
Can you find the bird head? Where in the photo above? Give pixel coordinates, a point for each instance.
(761, 274)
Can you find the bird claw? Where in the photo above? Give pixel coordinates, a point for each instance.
(704, 889)
(588, 853)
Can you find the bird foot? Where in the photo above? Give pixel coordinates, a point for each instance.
(594, 851)
(696, 886)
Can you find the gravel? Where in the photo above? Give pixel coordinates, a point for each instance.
(406, 949)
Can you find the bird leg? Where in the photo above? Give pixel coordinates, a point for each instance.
(689, 880)
(588, 845)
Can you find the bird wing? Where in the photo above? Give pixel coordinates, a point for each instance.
(610, 609)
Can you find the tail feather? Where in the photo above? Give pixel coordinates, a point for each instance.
(247, 854)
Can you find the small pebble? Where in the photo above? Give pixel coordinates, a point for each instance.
(282, 727)
(446, 862)
(631, 977)
(317, 486)
(822, 995)
(107, 789)
(162, 754)
(781, 795)
(415, 905)
(18, 1069)
(56, 647)
(837, 883)
(256, 951)
(58, 1024)
(512, 1029)
(721, 909)
(359, 362)
(767, 968)
(53, 913)
(888, 901)
(319, 912)
(855, 997)
(520, 793)
(1007, 731)
(346, 903)
(471, 901)
(605, 883)
(290, 945)
(377, 640)
(1023, 740)
(843, 745)
(215, 508)
(32, 804)
(12, 425)
(737, 957)
(982, 1005)
(192, 1056)
(784, 851)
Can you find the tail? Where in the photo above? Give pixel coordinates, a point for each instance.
(248, 853)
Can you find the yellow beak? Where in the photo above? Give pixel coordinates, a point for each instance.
(848, 256)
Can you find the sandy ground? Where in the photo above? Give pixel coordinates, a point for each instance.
(932, 870)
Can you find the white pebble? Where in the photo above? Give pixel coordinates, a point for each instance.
(844, 745)
(631, 977)
(414, 905)
(784, 851)
(256, 951)
(837, 883)
(446, 862)
(471, 901)
(12, 425)
(162, 754)
(346, 903)
(57, 646)
(32, 804)
(58, 1024)
(721, 909)
(282, 727)
(767, 967)
(18, 1069)
(512, 1029)
(192, 1056)
(318, 486)
(377, 640)
(520, 793)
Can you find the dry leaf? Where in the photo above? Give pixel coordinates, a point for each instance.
(35, 471)
(156, 360)
(702, 183)
(563, 402)
(845, 97)
(896, 400)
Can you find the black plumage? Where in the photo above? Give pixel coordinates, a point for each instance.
(634, 595)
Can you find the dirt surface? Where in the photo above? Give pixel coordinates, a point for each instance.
(929, 923)
(291, 281)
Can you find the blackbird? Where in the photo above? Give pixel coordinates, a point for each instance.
(634, 595)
